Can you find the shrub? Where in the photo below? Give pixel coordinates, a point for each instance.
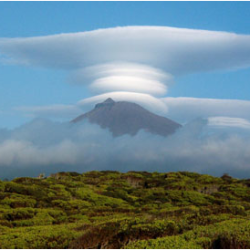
(19, 214)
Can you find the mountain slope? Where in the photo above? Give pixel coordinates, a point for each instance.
(128, 118)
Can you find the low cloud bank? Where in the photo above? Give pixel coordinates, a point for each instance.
(43, 146)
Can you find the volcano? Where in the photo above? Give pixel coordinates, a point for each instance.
(128, 118)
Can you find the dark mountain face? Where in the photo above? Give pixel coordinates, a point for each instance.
(128, 118)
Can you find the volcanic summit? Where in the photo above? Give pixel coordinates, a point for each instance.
(128, 118)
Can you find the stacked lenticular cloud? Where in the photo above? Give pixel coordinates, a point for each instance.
(135, 63)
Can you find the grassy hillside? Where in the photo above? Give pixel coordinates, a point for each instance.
(129, 210)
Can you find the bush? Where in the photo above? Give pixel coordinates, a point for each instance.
(16, 202)
(19, 214)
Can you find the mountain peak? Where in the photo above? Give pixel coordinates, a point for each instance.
(128, 118)
(109, 100)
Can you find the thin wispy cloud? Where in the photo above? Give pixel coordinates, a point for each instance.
(228, 122)
(53, 111)
(185, 109)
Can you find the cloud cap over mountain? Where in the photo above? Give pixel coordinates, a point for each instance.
(136, 59)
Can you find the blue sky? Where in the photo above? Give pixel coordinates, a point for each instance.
(31, 86)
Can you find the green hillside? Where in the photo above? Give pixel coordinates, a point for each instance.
(125, 210)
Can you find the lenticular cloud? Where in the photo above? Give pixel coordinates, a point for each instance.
(137, 59)
(174, 50)
(118, 76)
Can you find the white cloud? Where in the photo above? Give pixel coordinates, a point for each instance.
(24, 153)
(142, 59)
(118, 76)
(173, 49)
(51, 111)
(221, 121)
(43, 146)
(185, 109)
(149, 102)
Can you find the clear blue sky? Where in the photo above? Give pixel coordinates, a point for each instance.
(20, 86)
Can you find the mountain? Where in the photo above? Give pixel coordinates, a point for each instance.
(128, 118)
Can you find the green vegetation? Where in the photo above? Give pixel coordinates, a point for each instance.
(109, 209)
